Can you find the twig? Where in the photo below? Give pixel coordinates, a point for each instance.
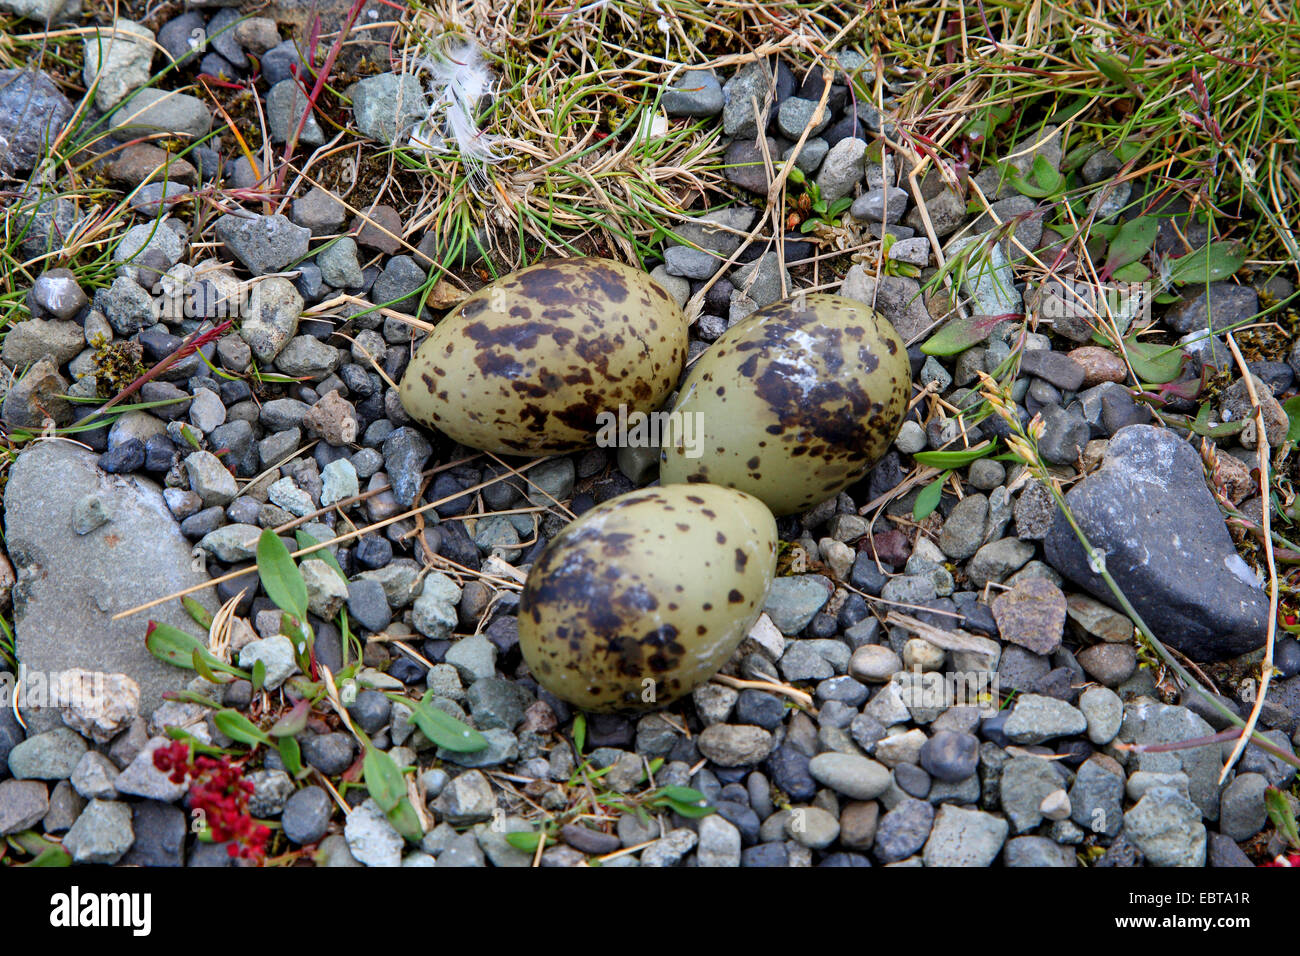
(1266, 669)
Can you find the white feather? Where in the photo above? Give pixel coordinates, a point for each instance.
(458, 79)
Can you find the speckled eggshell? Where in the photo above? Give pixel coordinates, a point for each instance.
(797, 402)
(524, 365)
(659, 585)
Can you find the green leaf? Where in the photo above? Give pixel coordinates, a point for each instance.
(1133, 272)
(198, 612)
(954, 459)
(929, 497)
(579, 732)
(1279, 811)
(690, 810)
(1153, 363)
(1046, 181)
(383, 777)
(527, 841)
(291, 756)
(280, 576)
(1292, 408)
(294, 722)
(172, 645)
(961, 333)
(239, 728)
(1133, 240)
(259, 675)
(202, 662)
(1210, 263)
(442, 728)
(50, 856)
(405, 820)
(683, 794)
(307, 541)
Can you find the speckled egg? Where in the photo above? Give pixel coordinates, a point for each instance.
(646, 596)
(525, 365)
(794, 403)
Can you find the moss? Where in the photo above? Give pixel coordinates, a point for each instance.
(117, 365)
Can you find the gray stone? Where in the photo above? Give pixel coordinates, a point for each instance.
(1150, 491)
(1167, 828)
(694, 93)
(305, 356)
(719, 843)
(118, 58)
(1036, 719)
(387, 106)
(749, 89)
(306, 815)
(285, 103)
(473, 657)
(1097, 796)
(886, 204)
(1104, 712)
(405, 452)
(276, 653)
(1242, 813)
(1149, 722)
(1036, 851)
(338, 264)
(151, 111)
(263, 244)
(37, 397)
(1220, 306)
(59, 627)
(1022, 786)
(997, 559)
(855, 777)
(794, 600)
(843, 167)
(795, 115)
(690, 263)
(962, 837)
(371, 838)
(23, 803)
(142, 779)
(669, 849)
(33, 111)
(904, 830)
(102, 834)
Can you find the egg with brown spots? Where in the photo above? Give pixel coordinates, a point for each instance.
(646, 596)
(793, 404)
(525, 365)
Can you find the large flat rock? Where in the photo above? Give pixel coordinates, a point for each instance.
(1166, 545)
(70, 585)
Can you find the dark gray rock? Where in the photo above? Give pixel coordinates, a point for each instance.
(1220, 305)
(1197, 595)
(263, 243)
(33, 111)
(160, 830)
(694, 93)
(306, 815)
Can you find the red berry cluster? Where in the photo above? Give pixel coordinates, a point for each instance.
(1291, 859)
(220, 792)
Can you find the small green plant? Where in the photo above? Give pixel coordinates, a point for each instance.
(594, 797)
(819, 212)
